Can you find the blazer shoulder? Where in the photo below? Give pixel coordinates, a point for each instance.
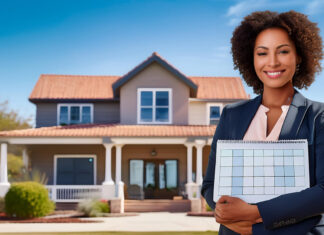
(316, 112)
(315, 108)
(243, 104)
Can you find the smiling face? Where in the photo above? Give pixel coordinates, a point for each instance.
(275, 58)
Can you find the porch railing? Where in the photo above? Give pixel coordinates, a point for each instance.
(73, 193)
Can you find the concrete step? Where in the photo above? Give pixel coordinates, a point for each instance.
(157, 205)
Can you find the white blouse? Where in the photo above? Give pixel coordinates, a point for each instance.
(258, 127)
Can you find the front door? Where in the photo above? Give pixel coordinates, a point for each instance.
(160, 179)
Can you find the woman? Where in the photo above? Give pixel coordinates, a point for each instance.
(274, 53)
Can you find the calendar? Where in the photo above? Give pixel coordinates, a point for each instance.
(260, 170)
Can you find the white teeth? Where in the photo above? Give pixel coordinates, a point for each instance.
(274, 73)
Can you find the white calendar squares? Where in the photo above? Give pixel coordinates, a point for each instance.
(260, 170)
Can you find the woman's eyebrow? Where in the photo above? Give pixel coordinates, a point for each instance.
(263, 47)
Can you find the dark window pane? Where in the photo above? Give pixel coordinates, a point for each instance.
(162, 98)
(63, 115)
(146, 114)
(162, 115)
(75, 114)
(214, 112)
(146, 98)
(86, 116)
(213, 122)
(75, 171)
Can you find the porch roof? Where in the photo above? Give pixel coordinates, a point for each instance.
(114, 130)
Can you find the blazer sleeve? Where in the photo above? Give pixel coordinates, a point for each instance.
(207, 189)
(292, 208)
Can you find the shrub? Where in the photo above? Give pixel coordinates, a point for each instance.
(28, 200)
(33, 175)
(208, 208)
(2, 205)
(15, 167)
(93, 207)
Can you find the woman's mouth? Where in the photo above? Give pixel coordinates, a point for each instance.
(274, 74)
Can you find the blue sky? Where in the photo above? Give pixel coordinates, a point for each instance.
(110, 37)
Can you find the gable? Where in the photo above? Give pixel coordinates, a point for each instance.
(154, 58)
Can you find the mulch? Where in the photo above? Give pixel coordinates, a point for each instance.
(5, 219)
(205, 214)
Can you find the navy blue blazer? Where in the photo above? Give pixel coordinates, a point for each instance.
(293, 213)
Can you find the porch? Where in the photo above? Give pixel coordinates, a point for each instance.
(169, 165)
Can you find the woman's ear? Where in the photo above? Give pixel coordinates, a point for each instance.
(299, 60)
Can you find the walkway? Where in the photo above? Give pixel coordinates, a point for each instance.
(157, 221)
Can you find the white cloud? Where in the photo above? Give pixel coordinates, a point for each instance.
(222, 52)
(315, 7)
(237, 11)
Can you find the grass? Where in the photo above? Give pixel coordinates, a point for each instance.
(121, 233)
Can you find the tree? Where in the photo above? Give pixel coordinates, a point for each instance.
(10, 120)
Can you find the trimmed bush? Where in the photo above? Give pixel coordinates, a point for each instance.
(28, 200)
(93, 207)
(2, 205)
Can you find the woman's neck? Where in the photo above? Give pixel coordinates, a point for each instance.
(276, 97)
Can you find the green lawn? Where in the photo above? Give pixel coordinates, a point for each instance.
(121, 233)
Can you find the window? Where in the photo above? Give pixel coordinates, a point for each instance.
(75, 170)
(154, 106)
(69, 114)
(214, 115)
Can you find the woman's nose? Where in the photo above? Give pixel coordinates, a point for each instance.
(273, 60)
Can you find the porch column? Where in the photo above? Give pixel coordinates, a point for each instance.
(190, 184)
(25, 158)
(199, 178)
(108, 186)
(4, 184)
(119, 183)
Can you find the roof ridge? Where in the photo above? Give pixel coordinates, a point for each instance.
(74, 75)
(214, 77)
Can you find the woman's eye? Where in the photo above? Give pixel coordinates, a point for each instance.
(261, 53)
(284, 52)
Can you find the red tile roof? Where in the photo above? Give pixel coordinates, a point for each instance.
(50, 86)
(114, 130)
(219, 88)
(100, 87)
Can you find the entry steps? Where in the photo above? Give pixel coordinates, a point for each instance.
(157, 205)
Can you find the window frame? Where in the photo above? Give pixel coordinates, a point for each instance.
(209, 105)
(80, 105)
(153, 90)
(56, 156)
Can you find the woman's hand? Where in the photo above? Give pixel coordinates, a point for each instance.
(232, 209)
(241, 227)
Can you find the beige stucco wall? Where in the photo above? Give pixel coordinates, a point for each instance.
(154, 76)
(41, 157)
(198, 111)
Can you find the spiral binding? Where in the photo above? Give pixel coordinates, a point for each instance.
(262, 142)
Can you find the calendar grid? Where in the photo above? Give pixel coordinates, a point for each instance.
(252, 169)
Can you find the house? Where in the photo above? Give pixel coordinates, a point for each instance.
(144, 135)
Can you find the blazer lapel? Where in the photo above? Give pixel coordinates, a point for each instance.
(249, 113)
(294, 118)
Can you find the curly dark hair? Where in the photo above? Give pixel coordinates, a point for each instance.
(303, 32)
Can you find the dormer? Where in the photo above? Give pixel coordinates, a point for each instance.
(154, 92)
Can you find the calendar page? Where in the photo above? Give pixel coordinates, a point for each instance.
(260, 170)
